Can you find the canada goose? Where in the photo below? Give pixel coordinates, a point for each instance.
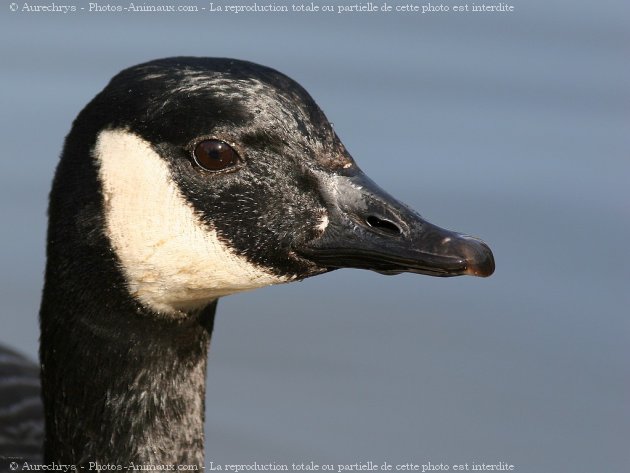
(184, 180)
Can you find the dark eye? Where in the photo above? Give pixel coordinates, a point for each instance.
(215, 155)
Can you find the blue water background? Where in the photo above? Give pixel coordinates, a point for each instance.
(515, 128)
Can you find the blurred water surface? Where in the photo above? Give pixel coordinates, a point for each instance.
(510, 127)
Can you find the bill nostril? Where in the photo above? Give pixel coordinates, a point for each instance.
(384, 225)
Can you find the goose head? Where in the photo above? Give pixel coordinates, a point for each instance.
(218, 176)
(184, 180)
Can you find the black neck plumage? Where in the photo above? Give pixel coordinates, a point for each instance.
(123, 387)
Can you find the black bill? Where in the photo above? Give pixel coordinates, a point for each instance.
(369, 229)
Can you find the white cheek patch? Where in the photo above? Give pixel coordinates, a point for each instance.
(171, 260)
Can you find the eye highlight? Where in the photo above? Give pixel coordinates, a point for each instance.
(215, 155)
